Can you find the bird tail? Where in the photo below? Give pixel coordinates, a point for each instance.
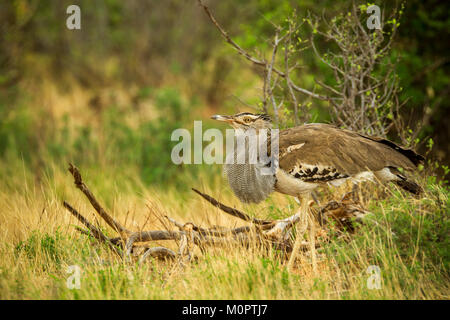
(409, 186)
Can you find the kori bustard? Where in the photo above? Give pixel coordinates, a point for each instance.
(314, 154)
(309, 156)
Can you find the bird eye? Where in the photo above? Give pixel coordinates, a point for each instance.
(247, 120)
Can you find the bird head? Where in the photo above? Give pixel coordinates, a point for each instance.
(246, 120)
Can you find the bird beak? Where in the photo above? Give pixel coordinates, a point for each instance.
(218, 117)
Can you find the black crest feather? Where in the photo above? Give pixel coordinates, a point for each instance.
(265, 117)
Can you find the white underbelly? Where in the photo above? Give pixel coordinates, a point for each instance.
(290, 185)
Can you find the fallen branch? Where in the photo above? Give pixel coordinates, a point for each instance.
(231, 211)
(159, 253)
(265, 233)
(108, 219)
(96, 233)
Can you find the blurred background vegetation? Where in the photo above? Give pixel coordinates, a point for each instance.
(109, 95)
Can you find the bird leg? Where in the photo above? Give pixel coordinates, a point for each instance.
(303, 213)
(312, 240)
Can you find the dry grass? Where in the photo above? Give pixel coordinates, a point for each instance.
(38, 242)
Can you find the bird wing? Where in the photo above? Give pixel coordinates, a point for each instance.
(322, 152)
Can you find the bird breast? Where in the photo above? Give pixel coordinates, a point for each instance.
(248, 183)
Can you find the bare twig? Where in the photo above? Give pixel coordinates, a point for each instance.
(80, 185)
(261, 62)
(93, 230)
(234, 212)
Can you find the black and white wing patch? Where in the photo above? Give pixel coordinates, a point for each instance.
(316, 173)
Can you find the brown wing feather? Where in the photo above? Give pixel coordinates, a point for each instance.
(346, 151)
(415, 158)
